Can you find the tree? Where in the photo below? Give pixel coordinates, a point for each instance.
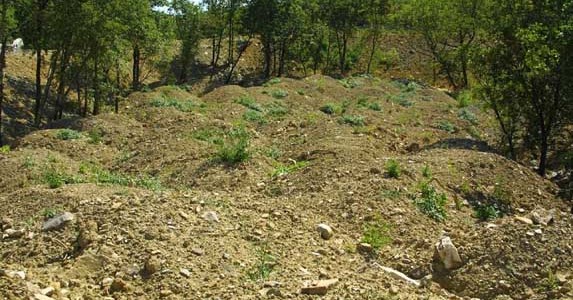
(187, 19)
(7, 27)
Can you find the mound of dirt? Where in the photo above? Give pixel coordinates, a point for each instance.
(163, 209)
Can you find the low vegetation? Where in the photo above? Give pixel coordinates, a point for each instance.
(234, 147)
(68, 134)
(376, 233)
(430, 202)
(393, 169)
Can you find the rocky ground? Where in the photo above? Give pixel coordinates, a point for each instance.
(341, 196)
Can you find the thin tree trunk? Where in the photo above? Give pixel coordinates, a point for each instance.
(243, 49)
(97, 95)
(2, 67)
(136, 67)
(372, 51)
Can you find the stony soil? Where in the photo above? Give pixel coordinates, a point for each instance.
(157, 216)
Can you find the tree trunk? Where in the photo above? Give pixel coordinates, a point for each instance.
(97, 95)
(234, 65)
(136, 67)
(2, 67)
(372, 52)
(268, 59)
(41, 6)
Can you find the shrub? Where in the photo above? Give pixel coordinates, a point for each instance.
(272, 81)
(279, 94)
(49, 213)
(234, 148)
(364, 103)
(249, 102)
(353, 120)
(465, 99)
(376, 234)
(276, 110)
(402, 100)
(332, 109)
(431, 203)
(68, 134)
(5, 149)
(446, 126)
(255, 117)
(393, 169)
(55, 179)
(95, 136)
(349, 82)
(184, 106)
(264, 266)
(487, 212)
(467, 115)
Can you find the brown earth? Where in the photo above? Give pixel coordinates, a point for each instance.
(140, 184)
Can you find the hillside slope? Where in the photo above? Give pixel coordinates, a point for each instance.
(158, 215)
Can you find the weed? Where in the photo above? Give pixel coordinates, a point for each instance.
(55, 179)
(431, 203)
(333, 109)
(276, 110)
(95, 136)
(446, 126)
(501, 194)
(279, 94)
(393, 169)
(464, 99)
(49, 213)
(264, 266)
(29, 162)
(210, 135)
(300, 92)
(487, 212)
(272, 82)
(5, 149)
(349, 82)
(255, 117)
(364, 103)
(427, 172)
(550, 283)
(402, 100)
(68, 134)
(467, 115)
(249, 102)
(234, 148)
(273, 153)
(181, 105)
(376, 234)
(281, 170)
(98, 175)
(352, 120)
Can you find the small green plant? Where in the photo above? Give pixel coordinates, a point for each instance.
(300, 92)
(95, 136)
(446, 126)
(146, 89)
(68, 134)
(279, 94)
(181, 105)
(364, 103)
(264, 266)
(402, 100)
(272, 81)
(487, 212)
(276, 110)
(376, 234)
(464, 99)
(255, 117)
(466, 115)
(210, 135)
(273, 153)
(234, 149)
(55, 179)
(427, 172)
(550, 283)
(353, 120)
(281, 170)
(350, 82)
(49, 213)
(29, 162)
(390, 194)
(249, 102)
(5, 149)
(332, 109)
(431, 203)
(393, 169)
(501, 194)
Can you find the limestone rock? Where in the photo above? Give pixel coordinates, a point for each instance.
(58, 222)
(541, 216)
(210, 216)
(319, 287)
(13, 233)
(325, 231)
(185, 273)
(448, 253)
(151, 266)
(524, 220)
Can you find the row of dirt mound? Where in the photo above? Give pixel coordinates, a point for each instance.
(161, 211)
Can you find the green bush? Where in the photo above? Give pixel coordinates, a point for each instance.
(446, 126)
(333, 109)
(431, 203)
(95, 136)
(427, 172)
(276, 110)
(234, 148)
(279, 94)
(393, 169)
(255, 117)
(5, 149)
(467, 115)
(487, 212)
(272, 81)
(181, 105)
(55, 179)
(364, 103)
(353, 120)
(249, 102)
(68, 134)
(465, 99)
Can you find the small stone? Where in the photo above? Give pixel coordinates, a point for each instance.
(524, 220)
(185, 273)
(13, 233)
(272, 284)
(184, 215)
(42, 297)
(210, 216)
(58, 222)
(267, 292)
(151, 266)
(197, 251)
(394, 290)
(490, 226)
(364, 248)
(323, 274)
(13, 274)
(448, 253)
(6, 223)
(165, 293)
(49, 291)
(226, 256)
(542, 216)
(325, 231)
(319, 287)
(118, 285)
(106, 282)
(538, 231)
(530, 233)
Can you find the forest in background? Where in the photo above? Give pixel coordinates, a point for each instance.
(514, 56)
